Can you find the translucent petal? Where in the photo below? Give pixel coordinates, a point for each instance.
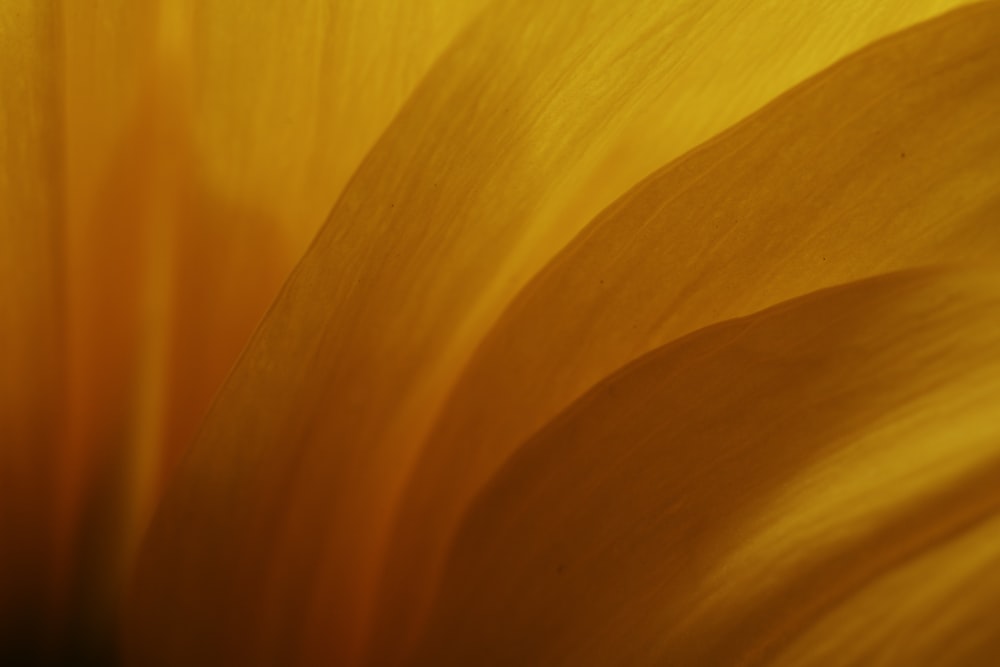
(289, 97)
(933, 609)
(738, 56)
(203, 143)
(193, 132)
(285, 505)
(889, 160)
(713, 500)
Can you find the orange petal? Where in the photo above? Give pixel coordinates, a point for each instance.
(31, 359)
(713, 500)
(285, 505)
(289, 97)
(933, 608)
(738, 57)
(191, 131)
(889, 160)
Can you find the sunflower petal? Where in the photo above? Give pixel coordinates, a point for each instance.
(285, 101)
(887, 161)
(928, 609)
(291, 96)
(182, 218)
(181, 222)
(742, 55)
(714, 499)
(285, 505)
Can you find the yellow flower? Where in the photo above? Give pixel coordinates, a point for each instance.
(637, 332)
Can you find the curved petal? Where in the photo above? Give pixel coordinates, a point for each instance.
(190, 133)
(711, 501)
(889, 160)
(927, 610)
(286, 99)
(289, 97)
(182, 218)
(740, 56)
(311, 442)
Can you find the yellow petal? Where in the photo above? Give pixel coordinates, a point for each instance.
(203, 152)
(30, 307)
(298, 470)
(286, 99)
(291, 96)
(889, 160)
(928, 609)
(740, 56)
(714, 499)
(204, 142)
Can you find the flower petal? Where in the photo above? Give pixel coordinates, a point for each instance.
(286, 99)
(741, 55)
(126, 147)
(929, 609)
(146, 239)
(280, 105)
(285, 505)
(714, 499)
(31, 359)
(291, 96)
(889, 160)
(186, 180)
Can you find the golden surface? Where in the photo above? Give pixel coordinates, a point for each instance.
(645, 332)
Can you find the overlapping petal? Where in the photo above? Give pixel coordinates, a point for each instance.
(929, 609)
(714, 500)
(205, 144)
(732, 59)
(284, 508)
(164, 164)
(887, 161)
(289, 97)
